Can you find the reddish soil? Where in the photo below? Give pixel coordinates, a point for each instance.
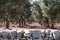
(33, 25)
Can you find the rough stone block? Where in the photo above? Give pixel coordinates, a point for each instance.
(13, 34)
(19, 35)
(36, 34)
(16, 39)
(1, 38)
(56, 35)
(6, 39)
(4, 34)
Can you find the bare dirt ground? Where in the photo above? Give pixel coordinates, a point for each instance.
(31, 26)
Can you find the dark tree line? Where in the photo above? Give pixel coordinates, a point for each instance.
(20, 10)
(15, 10)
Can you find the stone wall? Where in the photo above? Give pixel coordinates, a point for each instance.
(30, 35)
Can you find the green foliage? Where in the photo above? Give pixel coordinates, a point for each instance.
(21, 8)
(13, 9)
(53, 6)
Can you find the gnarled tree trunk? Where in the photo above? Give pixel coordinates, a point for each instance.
(52, 24)
(7, 23)
(46, 22)
(22, 22)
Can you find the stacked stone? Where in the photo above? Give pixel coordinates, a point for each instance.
(1, 35)
(48, 35)
(36, 35)
(29, 35)
(56, 35)
(13, 34)
(20, 35)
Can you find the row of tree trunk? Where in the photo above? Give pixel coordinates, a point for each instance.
(49, 23)
(22, 23)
